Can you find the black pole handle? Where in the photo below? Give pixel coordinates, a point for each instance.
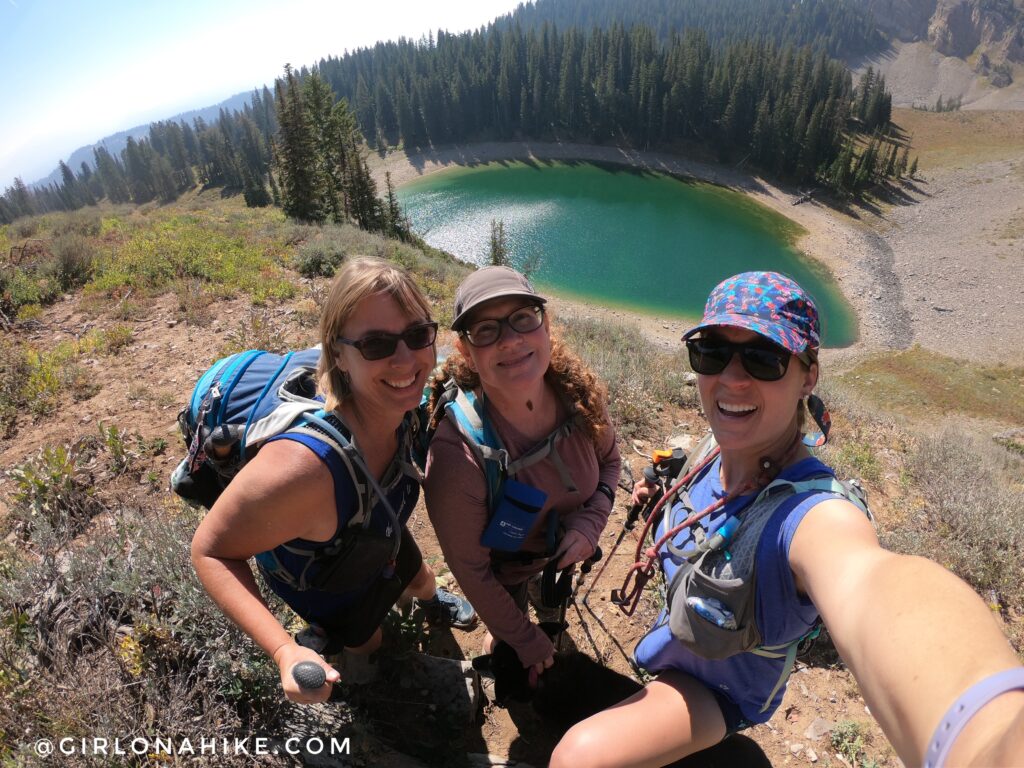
(587, 564)
(309, 675)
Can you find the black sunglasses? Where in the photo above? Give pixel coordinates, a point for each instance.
(523, 320)
(763, 360)
(377, 346)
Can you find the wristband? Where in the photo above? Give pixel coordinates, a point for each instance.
(966, 707)
(607, 491)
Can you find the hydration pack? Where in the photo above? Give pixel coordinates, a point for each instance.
(711, 598)
(245, 399)
(507, 500)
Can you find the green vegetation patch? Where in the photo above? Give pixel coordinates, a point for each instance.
(962, 139)
(919, 382)
(117, 621)
(203, 245)
(34, 381)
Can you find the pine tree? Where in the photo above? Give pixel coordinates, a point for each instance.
(295, 154)
(499, 255)
(318, 100)
(901, 166)
(395, 224)
(138, 171)
(115, 187)
(69, 187)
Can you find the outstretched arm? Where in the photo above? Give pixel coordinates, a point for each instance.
(913, 634)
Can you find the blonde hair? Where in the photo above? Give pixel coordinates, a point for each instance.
(359, 278)
(567, 373)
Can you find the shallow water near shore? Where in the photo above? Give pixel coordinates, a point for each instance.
(646, 242)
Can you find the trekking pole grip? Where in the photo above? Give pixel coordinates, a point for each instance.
(309, 675)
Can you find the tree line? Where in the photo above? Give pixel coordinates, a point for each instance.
(296, 148)
(838, 27)
(792, 112)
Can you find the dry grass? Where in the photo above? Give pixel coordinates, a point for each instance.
(919, 384)
(959, 139)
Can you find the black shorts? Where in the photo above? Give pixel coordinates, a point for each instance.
(355, 624)
(734, 720)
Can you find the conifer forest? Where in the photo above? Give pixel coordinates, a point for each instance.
(774, 102)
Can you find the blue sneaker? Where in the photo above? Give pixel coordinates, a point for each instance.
(445, 609)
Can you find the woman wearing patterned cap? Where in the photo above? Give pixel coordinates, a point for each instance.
(753, 501)
(550, 415)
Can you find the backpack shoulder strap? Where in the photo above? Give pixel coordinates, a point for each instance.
(466, 413)
(782, 489)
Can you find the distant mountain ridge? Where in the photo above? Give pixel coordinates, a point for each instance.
(117, 141)
(958, 28)
(986, 36)
(970, 50)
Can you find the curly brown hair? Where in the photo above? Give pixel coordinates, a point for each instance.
(567, 373)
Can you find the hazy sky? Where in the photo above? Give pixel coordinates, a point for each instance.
(78, 70)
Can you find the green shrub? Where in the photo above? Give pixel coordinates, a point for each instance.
(53, 493)
(195, 247)
(855, 458)
(85, 222)
(121, 626)
(258, 330)
(14, 371)
(72, 261)
(25, 227)
(849, 739)
(317, 258)
(639, 378)
(26, 285)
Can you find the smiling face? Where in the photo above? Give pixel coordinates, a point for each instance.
(749, 416)
(516, 361)
(393, 385)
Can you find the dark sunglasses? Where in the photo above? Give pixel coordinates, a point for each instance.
(523, 320)
(763, 360)
(377, 346)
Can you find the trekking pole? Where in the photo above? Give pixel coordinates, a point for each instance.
(585, 568)
(635, 511)
(309, 675)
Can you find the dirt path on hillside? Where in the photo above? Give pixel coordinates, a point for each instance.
(942, 268)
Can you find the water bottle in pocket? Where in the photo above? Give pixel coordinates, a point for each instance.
(513, 517)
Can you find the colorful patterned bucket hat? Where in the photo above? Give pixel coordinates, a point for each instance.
(774, 306)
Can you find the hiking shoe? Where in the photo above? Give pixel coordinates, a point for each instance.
(445, 609)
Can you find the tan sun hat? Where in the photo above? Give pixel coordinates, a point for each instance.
(490, 283)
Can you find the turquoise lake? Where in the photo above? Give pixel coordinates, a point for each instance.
(612, 235)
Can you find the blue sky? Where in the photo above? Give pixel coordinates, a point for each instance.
(79, 70)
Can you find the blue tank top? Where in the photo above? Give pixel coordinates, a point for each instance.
(782, 614)
(312, 604)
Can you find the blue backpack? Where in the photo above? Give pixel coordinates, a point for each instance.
(245, 399)
(237, 404)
